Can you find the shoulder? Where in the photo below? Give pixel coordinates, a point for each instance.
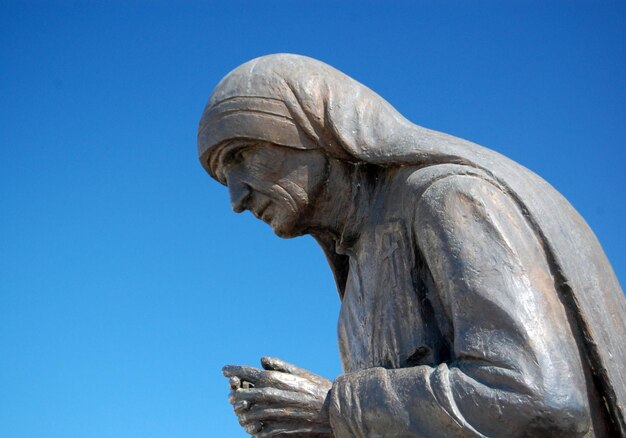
(419, 180)
(450, 193)
(444, 184)
(458, 188)
(463, 198)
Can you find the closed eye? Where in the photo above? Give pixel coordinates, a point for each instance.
(233, 157)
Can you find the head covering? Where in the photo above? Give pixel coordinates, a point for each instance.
(301, 103)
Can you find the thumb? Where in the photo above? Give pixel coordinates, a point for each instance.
(275, 364)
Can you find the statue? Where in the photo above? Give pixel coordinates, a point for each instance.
(475, 301)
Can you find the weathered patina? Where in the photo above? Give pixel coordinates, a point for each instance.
(475, 300)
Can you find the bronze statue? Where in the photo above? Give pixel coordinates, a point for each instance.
(475, 301)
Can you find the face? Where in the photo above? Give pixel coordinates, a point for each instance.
(277, 184)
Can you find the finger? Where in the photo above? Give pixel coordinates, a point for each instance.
(256, 414)
(244, 373)
(252, 428)
(277, 379)
(234, 382)
(241, 406)
(295, 430)
(275, 364)
(268, 396)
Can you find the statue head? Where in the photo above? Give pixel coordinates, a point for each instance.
(273, 123)
(263, 134)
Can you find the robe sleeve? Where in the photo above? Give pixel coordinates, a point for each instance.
(514, 367)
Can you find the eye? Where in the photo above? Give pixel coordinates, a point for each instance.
(233, 157)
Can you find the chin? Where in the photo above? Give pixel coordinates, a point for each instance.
(285, 229)
(284, 233)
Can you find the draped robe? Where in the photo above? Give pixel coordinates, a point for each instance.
(476, 301)
(450, 323)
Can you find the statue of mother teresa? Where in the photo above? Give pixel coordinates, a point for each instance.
(475, 301)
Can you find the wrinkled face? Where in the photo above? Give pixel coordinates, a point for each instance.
(277, 184)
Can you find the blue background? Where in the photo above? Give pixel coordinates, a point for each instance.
(125, 280)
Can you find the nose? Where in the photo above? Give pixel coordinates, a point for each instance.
(239, 194)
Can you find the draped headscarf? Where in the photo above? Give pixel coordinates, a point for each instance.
(298, 102)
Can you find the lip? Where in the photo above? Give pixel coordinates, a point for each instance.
(266, 214)
(258, 212)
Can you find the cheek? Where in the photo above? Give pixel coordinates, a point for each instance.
(282, 211)
(297, 192)
(284, 214)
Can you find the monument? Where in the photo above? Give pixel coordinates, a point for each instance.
(475, 301)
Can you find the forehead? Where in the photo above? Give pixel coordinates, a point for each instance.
(247, 152)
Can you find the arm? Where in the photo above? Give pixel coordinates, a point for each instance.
(514, 367)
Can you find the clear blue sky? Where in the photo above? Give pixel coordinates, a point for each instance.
(125, 280)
